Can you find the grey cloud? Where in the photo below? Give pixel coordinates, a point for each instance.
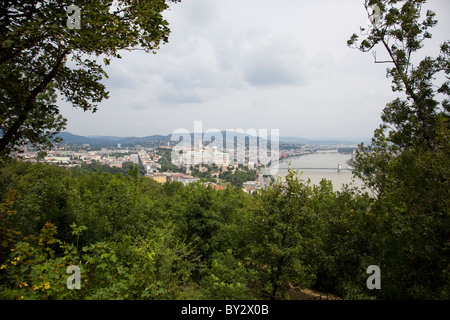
(173, 98)
(270, 73)
(199, 13)
(279, 62)
(255, 63)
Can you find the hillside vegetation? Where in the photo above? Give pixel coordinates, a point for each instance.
(133, 238)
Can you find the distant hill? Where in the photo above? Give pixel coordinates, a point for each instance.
(323, 141)
(75, 139)
(112, 141)
(156, 140)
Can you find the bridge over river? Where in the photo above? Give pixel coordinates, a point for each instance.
(334, 166)
(339, 168)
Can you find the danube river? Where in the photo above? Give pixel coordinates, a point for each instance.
(319, 165)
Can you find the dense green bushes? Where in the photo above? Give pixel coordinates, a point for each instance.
(135, 239)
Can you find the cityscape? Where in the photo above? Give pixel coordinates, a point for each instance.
(204, 163)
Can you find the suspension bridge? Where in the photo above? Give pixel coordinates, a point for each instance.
(339, 168)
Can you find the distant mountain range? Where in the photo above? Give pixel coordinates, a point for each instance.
(156, 140)
(322, 141)
(112, 141)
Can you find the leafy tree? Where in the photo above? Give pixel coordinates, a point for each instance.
(34, 271)
(280, 220)
(96, 166)
(407, 163)
(166, 161)
(238, 178)
(159, 265)
(8, 235)
(201, 219)
(419, 120)
(343, 243)
(40, 56)
(227, 278)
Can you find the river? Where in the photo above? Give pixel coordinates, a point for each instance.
(319, 165)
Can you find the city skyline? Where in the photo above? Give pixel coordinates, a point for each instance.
(260, 64)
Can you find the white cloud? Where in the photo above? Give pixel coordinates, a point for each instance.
(280, 64)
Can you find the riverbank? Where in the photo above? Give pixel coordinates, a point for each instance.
(325, 164)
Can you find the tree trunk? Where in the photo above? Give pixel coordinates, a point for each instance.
(425, 134)
(9, 135)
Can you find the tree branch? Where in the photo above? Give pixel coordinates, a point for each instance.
(8, 137)
(374, 53)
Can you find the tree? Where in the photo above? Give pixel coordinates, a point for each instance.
(407, 163)
(280, 231)
(419, 118)
(226, 279)
(41, 56)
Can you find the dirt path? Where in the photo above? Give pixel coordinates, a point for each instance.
(309, 294)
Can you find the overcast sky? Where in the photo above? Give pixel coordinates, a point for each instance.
(253, 64)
